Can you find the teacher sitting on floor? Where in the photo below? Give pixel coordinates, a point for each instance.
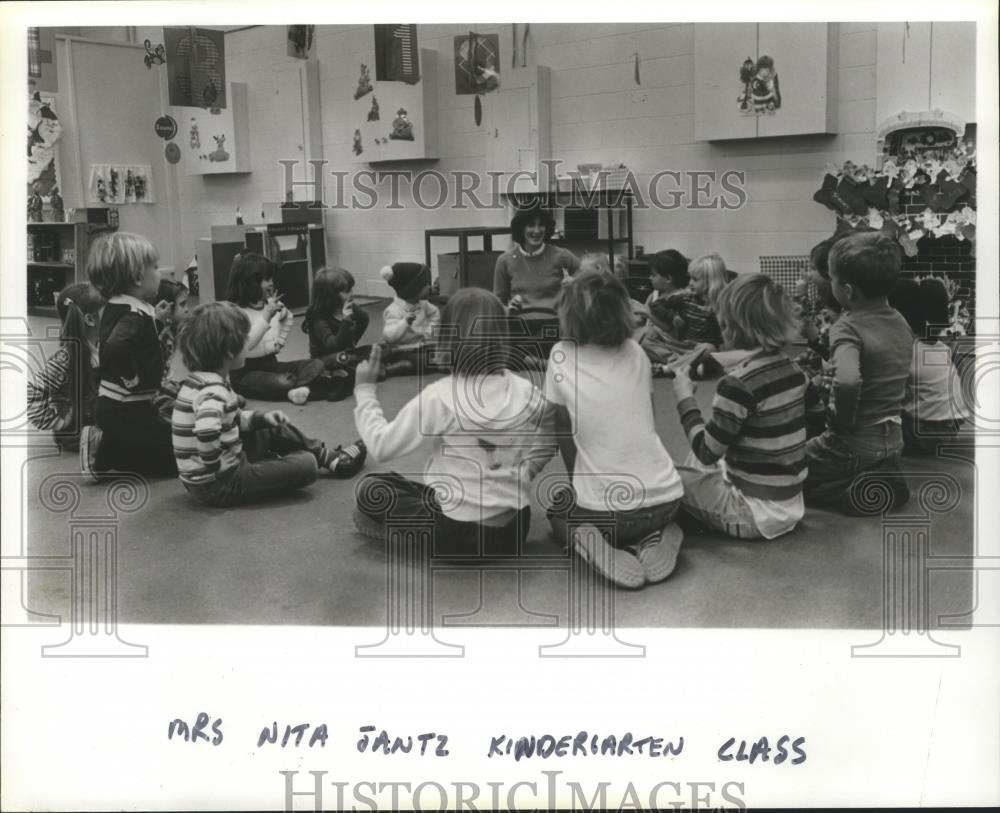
(528, 278)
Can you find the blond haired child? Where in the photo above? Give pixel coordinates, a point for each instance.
(746, 468)
(483, 429)
(129, 434)
(623, 480)
(226, 455)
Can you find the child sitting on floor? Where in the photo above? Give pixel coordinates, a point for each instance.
(486, 433)
(129, 435)
(745, 471)
(228, 456)
(174, 371)
(934, 408)
(251, 287)
(690, 314)
(61, 395)
(871, 347)
(409, 321)
(668, 274)
(819, 309)
(622, 477)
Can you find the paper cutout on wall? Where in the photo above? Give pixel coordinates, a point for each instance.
(153, 56)
(373, 112)
(172, 153)
(402, 127)
(364, 82)
(356, 147)
(44, 130)
(116, 184)
(477, 63)
(196, 67)
(300, 40)
(760, 94)
(396, 55)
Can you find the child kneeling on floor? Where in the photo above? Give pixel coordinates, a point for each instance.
(600, 384)
(487, 431)
(745, 472)
(228, 456)
(871, 347)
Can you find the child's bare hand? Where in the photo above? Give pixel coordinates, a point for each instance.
(163, 310)
(275, 417)
(367, 371)
(348, 309)
(567, 277)
(683, 386)
(516, 303)
(410, 318)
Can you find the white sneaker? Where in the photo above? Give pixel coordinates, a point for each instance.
(657, 553)
(90, 439)
(615, 564)
(299, 395)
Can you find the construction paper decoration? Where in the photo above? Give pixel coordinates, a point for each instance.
(153, 56)
(477, 61)
(300, 40)
(130, 183)
(396, 54)
(166, 127)
(196, 67)
(44, 130)
(173, 153)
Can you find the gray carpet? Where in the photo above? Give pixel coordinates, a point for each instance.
(298, 560)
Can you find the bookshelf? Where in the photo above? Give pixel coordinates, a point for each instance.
(57, 257)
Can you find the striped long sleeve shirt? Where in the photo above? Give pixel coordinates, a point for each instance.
(206, 425)
(758, 425)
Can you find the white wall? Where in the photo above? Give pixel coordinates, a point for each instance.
(598, 114)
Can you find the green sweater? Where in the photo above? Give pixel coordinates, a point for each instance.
(537, 280)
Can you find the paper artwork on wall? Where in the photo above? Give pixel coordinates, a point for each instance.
(44, 130)
(196, 67)
(759, 94)
(396, 54)
(364, 82)
(121, 183)
(477, 63)
(300, 40)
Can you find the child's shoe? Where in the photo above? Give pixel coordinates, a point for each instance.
(90, 439)
(615, 564)
(657, 553)
(367, 526)
(346, 461)
(661, 370)
(299, 395)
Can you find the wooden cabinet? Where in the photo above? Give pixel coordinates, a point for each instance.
(805, 59)
(376, 126)
(518, 135)
(924, 66)
(57, 257)
(216, 143)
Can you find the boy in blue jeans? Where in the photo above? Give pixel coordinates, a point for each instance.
(871, 347)
(227, 455)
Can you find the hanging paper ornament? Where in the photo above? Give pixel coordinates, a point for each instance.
(477, 60)
(173, 153)
(153, 56)
(478, 110)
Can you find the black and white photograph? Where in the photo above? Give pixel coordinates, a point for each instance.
(513, 402)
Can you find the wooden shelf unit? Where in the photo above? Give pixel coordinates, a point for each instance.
(46, 277)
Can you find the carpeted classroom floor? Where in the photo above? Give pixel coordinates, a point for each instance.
(299, 560)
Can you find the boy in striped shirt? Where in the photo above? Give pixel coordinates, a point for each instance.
(226, 455)
(746, 468)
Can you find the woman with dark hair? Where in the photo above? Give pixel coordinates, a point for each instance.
(530, 275)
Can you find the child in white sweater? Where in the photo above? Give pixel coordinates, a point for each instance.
(251, 286)
(488, 433)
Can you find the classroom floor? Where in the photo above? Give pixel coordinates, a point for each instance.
(299, 560)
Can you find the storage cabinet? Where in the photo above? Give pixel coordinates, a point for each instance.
(216, 143)
(805, 58)
(382, 117)
(57, 257)
(925, 66)
(518, 135)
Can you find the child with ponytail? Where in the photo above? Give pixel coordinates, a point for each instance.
(61, 395)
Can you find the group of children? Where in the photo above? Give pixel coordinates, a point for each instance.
(770, 445)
